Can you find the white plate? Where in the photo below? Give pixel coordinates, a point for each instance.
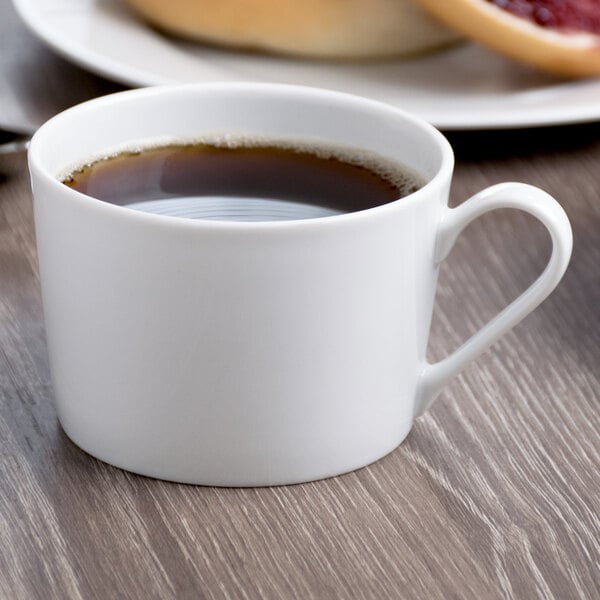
(462, 88)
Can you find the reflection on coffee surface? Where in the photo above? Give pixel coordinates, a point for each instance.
(245, 181)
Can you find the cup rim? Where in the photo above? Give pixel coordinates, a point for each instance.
(439, 180)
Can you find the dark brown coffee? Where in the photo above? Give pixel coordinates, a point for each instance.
(240, 182)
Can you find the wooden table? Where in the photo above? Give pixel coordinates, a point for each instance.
(494, 494)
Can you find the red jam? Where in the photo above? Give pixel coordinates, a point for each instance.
(565, 15)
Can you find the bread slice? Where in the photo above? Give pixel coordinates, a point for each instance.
(339, 29)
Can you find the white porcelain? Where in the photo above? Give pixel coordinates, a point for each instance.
(465, 87)
(231, 353)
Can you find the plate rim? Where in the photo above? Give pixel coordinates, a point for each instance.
(124, 73)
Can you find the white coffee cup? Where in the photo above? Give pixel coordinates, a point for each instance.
(262, 353)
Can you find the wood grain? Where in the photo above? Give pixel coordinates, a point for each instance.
(494, 494)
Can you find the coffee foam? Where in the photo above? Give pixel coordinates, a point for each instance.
(399, 175)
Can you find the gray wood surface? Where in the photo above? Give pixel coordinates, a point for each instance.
(35, 83)
(494, 494)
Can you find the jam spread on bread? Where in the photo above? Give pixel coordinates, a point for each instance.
(568, 15)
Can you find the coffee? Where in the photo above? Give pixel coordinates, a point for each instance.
(244, 181)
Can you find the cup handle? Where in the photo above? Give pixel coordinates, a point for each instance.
(505, 195)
